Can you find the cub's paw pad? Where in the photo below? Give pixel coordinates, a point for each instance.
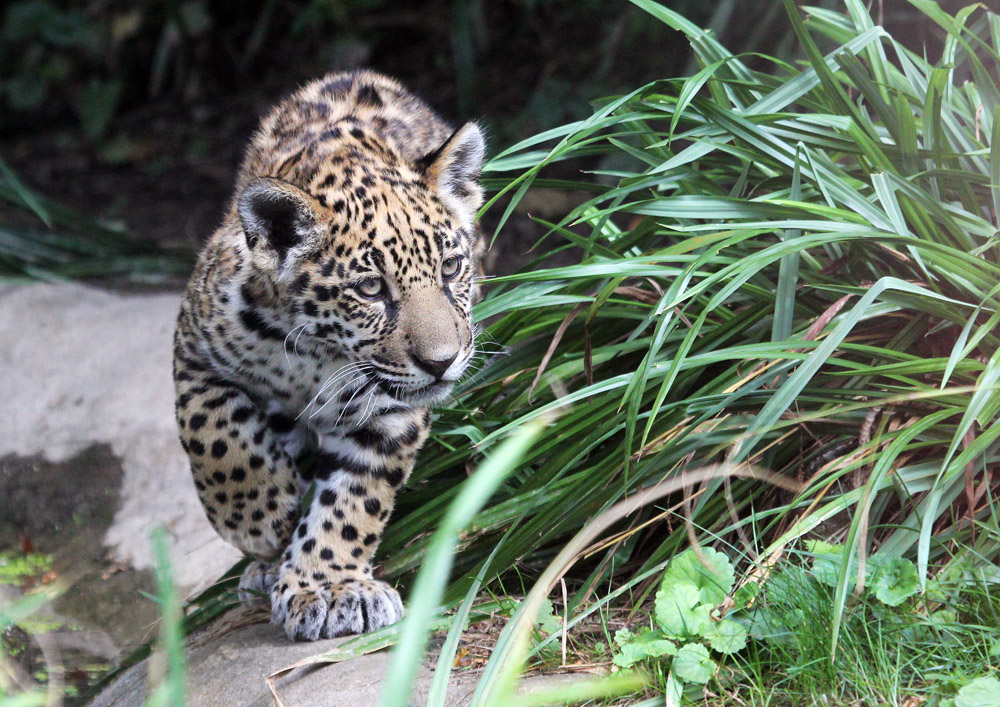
(361, 606)
(256, 583)
(301, 610)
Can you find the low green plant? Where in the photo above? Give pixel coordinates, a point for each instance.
(890, 580)
(896, 643)
(16, 567)
(771, 637)
(981, 692)
(13, 691)
(23, 614)
(694, 584)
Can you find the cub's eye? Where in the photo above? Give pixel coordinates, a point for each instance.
(450, 266)
(370, 287)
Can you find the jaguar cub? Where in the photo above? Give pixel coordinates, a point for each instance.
(324, 318)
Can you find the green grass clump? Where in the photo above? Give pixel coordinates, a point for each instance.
(793, 269)
(772, 636)
(887, 654)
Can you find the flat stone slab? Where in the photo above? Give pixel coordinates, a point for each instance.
(85, 367)
(233, 670)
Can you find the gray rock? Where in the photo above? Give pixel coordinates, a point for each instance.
(84, 366)
(232, 671)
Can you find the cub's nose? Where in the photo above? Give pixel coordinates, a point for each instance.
(435, 366)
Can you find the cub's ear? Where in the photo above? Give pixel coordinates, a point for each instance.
(276, 216)
(454, 168)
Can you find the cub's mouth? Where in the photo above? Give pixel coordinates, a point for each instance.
(429, 394)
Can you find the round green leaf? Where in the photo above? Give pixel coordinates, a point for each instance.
(674, 608)
(701, 620)
(828, 560)
(648, 644)
(693, 664)
(727, 636)
(623, 636)
(547, 620)
(981, 692)
(895, 581)
(712, 573)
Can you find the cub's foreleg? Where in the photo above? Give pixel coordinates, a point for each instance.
(325, 586)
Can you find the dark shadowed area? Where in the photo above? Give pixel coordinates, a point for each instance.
(136, 113)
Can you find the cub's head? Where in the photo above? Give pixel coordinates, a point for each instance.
(375, 258)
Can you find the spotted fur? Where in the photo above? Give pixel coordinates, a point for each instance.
(325, 317)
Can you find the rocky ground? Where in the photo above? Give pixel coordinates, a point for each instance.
(233, 670)
(89, 465)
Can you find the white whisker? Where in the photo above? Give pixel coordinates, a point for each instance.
(369, 411)
(284, 345)
(344, 371)
(336, 395)
(347, 370)
(295, 344)
(348, 403)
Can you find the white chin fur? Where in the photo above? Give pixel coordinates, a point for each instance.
(425, 397)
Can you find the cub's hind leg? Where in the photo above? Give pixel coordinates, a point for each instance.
(246, 480)
(256, 583)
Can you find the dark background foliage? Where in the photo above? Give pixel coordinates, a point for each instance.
(136, 112)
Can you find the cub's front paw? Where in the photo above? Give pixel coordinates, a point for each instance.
(310, 611)
(300, 609)
(361, 606)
